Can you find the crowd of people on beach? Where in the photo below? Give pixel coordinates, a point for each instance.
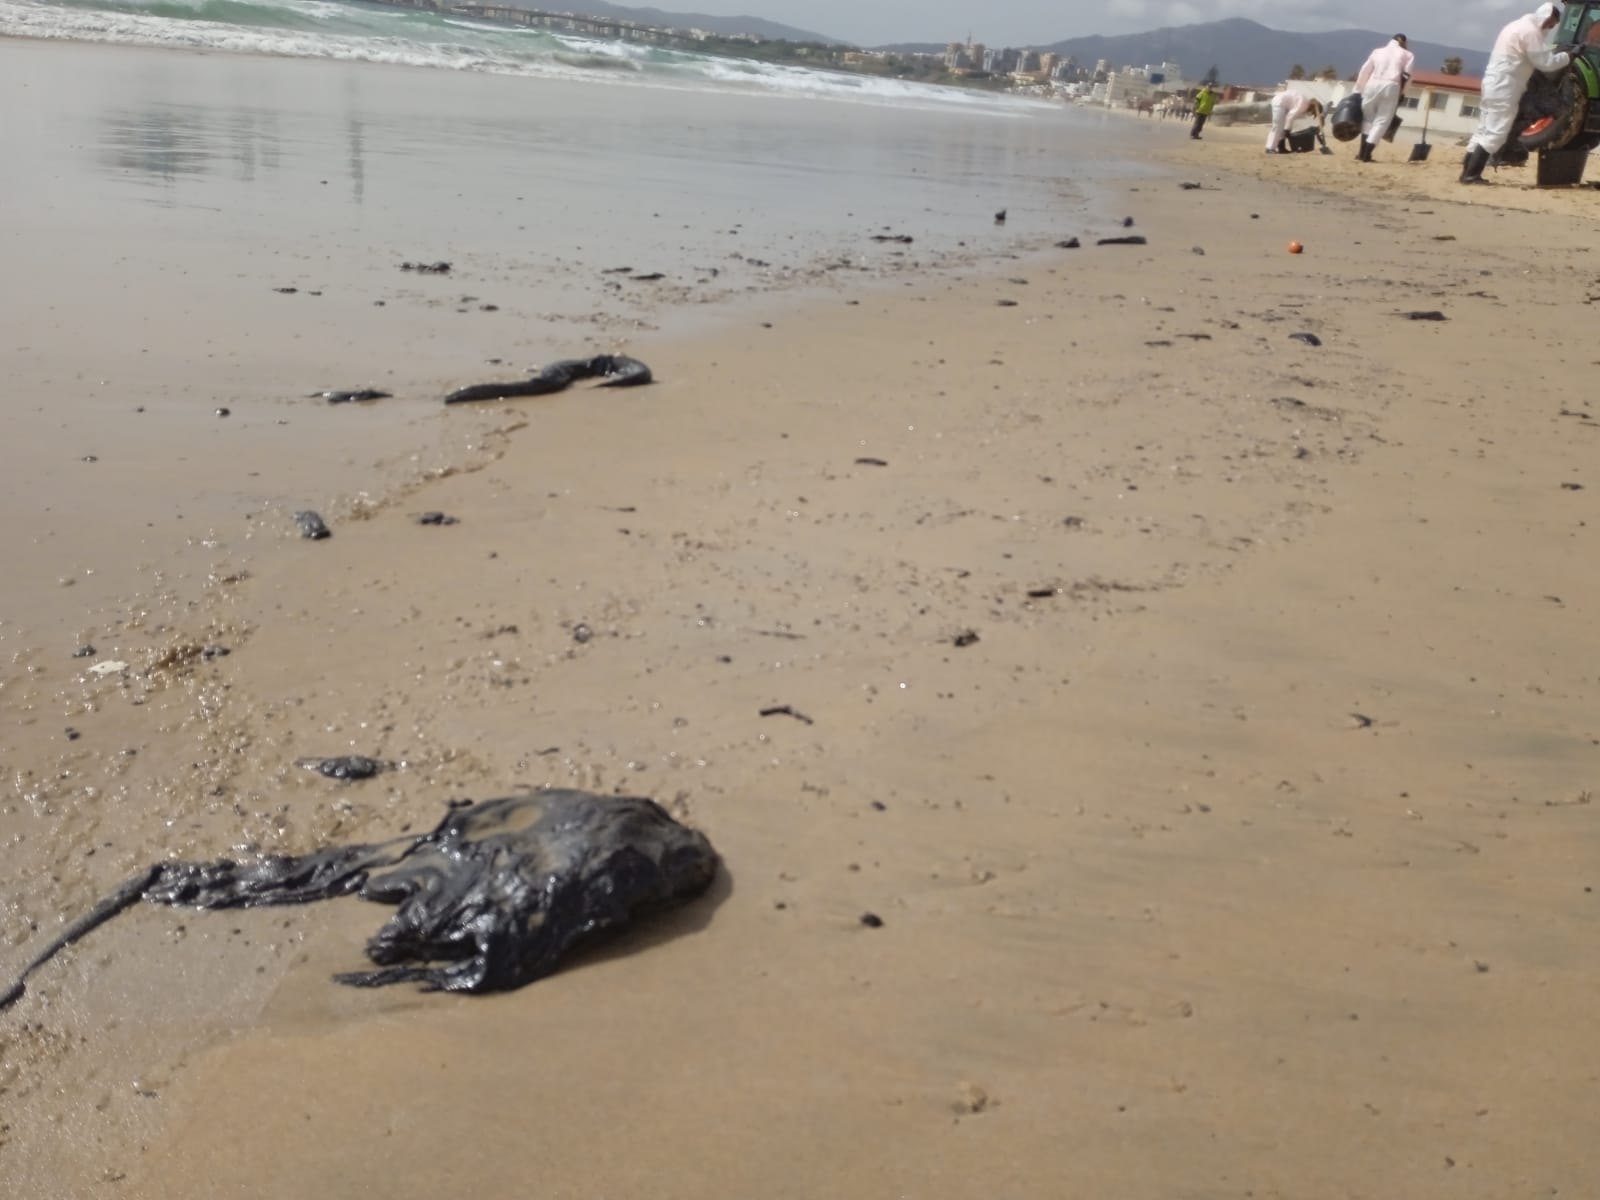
(1167, 108)
(1370, 111)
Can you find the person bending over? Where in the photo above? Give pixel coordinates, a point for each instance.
(1287, 108)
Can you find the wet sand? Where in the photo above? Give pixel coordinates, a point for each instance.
(1248, 851)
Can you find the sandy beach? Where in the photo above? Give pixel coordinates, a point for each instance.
(1247, 851)
(1389, 178)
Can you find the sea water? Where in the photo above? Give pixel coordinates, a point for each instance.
(420, 38)
(477, 133)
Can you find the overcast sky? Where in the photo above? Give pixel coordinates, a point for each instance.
(1471, 24)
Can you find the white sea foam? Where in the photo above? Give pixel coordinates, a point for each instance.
(481, 27)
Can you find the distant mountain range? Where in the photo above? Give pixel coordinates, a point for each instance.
(1242, 51)
(678, 20)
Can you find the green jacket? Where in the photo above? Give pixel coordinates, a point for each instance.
(1204, 102)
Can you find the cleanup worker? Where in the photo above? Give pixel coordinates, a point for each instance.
(1518, 52)
(1287, 108)
(1205, 101)
(1380, 81)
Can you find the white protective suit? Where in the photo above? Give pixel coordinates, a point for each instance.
(1521, 49)
(1379, 81)
(1287, 108)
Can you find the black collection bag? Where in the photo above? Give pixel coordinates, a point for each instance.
(1303, 142)
(1347, 118)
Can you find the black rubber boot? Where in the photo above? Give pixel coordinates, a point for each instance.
(1365, 153)
(1473, 164)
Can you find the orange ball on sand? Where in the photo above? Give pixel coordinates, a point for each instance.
(1295, 247)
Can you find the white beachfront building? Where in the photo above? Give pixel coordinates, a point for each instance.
(1127, 86)
(1446, 104)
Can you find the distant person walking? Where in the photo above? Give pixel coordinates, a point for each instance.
(1205, 101)
(1518, 52)
(1380, 81)
(1287, 108)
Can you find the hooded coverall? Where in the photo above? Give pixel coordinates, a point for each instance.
(1379, 82)
(1287, 108)
(1518, 52)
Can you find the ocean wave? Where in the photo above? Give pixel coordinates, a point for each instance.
(422, 38)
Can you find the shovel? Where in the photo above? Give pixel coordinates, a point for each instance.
(1419, 152)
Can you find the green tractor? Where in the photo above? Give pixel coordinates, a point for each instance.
(1562, 111)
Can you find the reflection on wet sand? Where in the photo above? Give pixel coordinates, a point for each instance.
(162, 143)
(358, 165)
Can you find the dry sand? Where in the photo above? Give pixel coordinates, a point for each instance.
(1390, 178)
(1253, 857)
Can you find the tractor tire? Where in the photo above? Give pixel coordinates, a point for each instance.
(1553, 111)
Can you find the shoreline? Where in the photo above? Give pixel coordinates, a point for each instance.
(1143, 874)
(351, 308)
(581, 75)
